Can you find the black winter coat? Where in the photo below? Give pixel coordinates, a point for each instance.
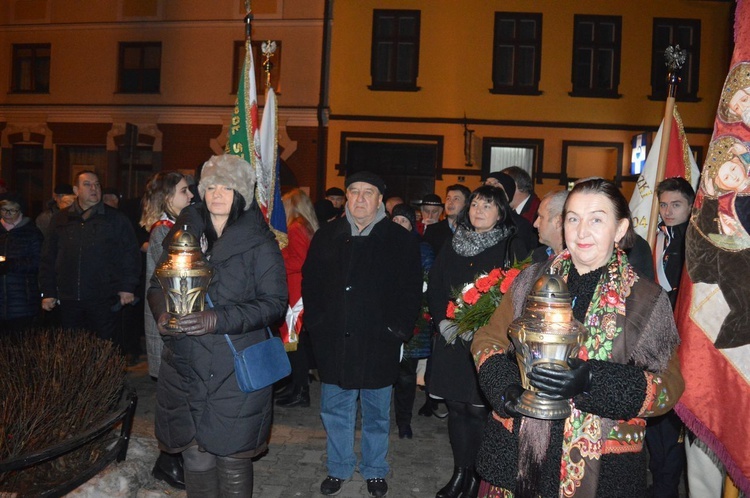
(90, 258)
(453, 375)
(19, 290)
(197, 395)
(362, 295)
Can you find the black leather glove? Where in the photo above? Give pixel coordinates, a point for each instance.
(200, 323)
(161, 325)
(562, 384)
(510, 399)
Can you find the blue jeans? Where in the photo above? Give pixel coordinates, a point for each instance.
(338, 410)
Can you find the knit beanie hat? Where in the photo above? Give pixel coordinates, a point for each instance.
(509, 185)
(231, 171)
(407, 212)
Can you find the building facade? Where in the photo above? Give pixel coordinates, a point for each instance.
(130, 87)
(432, 93)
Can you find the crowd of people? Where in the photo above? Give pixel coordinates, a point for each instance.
(359, 295)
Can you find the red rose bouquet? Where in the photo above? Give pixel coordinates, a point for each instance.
(473, 305)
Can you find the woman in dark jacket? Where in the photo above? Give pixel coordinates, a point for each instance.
(20, 248)
(480, 244)
(201, 411)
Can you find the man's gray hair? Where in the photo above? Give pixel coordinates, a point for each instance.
(555, 202)
(521, 177)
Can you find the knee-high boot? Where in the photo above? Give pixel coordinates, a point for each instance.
(202, 484)
(471, 484)
(455, 485)
(235, 477)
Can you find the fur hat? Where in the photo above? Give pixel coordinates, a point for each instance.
(231, 171)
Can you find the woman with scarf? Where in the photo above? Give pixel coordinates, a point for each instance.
(484, 240)
(626, 370)
(200, 409)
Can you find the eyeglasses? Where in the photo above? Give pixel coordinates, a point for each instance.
(9, 211)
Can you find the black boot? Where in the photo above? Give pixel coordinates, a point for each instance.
(300, 397)
(455, 485)
(168, 468)
(471, 484)
(235, 477)
(204, 484)
(426, 410)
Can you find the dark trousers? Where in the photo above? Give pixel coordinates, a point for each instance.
(405, 391)
(94, 315)
(666, 454)
(465, 429)
(300, 366)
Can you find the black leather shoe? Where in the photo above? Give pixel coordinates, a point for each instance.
(455, 485)
(331, 486)
(168, 468)
(426, 410)
(404, 431)
(377, 487)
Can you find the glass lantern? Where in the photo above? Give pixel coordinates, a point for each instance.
(546, 334)
(184, 277)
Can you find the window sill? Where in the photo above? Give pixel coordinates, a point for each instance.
(595, 95)
(516, 91)
(686, 98)
(393, 88)
(28, 92)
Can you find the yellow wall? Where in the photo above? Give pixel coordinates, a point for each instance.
(455, 77)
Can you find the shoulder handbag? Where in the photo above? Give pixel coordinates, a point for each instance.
(261, 364)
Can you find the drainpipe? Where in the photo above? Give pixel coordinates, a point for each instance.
(323, 103)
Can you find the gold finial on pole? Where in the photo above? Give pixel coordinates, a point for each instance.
(674, 58)
(269, 50)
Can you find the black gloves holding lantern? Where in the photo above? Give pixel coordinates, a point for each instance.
(184, 277)
(547, 339)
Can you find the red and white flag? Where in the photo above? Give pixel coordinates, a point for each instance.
(680, 162)
(713, 309)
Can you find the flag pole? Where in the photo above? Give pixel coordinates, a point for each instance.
(674, 59)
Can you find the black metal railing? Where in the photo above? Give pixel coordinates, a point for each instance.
(117, 452)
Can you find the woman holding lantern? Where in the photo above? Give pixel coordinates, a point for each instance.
(484, 240)
(626, 369)
(201, 411)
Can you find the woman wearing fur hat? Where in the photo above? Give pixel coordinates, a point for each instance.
(201, 411)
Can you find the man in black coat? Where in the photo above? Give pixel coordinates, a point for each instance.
(362, 289)
(90, 261)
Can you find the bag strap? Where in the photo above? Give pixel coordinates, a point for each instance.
(234, 351)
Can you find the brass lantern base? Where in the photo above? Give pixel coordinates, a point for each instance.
(535, 406)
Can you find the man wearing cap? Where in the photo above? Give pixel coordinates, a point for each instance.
(62, 197)
(336, 196)
(362, 287)
(526, 232)
(431, 209)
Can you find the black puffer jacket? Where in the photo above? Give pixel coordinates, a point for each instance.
(362, 295)
(19, 290)
(197, 394)
(89, 256)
